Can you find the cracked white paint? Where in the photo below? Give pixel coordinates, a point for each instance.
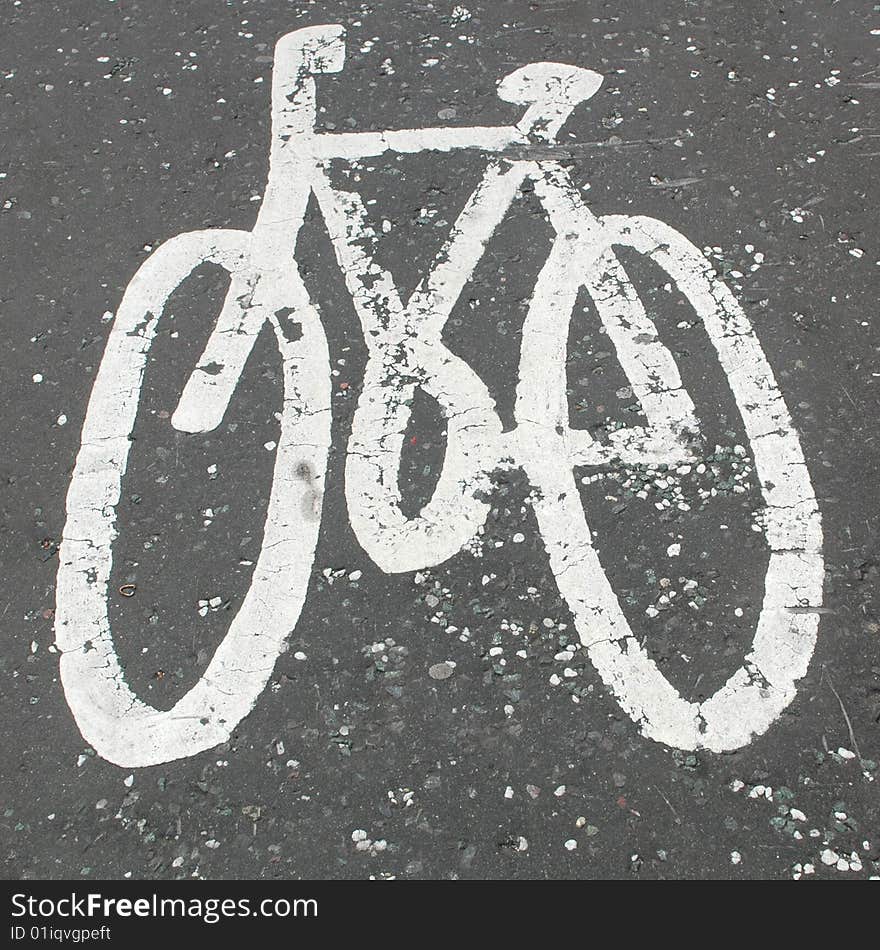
(405, 353)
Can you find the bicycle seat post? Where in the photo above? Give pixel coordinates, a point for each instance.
(551, 91)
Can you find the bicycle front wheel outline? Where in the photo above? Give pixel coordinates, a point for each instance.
(111, 717)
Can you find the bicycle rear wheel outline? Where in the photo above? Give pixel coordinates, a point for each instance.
(786, 632)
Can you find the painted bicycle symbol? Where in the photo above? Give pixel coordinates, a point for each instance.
(405, 353)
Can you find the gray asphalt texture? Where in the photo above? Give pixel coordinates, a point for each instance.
(739, 123)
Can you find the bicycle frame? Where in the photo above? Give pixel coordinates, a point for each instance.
(405, 352)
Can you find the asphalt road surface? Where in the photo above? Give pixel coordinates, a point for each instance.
(440, 677)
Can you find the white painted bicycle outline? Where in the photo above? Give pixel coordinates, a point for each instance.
(405, 351)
